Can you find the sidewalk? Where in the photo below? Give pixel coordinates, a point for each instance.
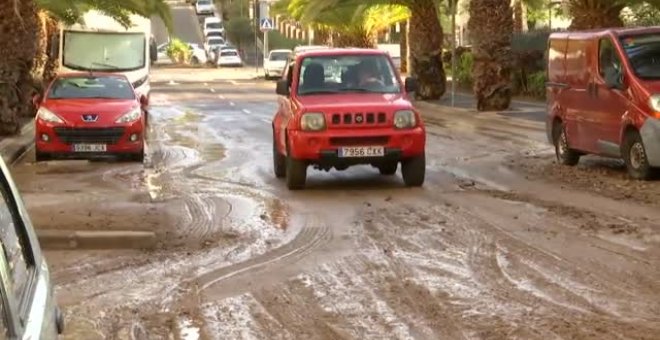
(13, 147)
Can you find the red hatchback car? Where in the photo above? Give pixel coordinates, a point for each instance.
(85, 115)
(343, 107)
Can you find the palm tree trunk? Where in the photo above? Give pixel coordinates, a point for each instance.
(425, 39)
(52, 64)
(403, 46)
(18, 47)
(590, 14)
(517, 16)
(491, 28)
(355, 37)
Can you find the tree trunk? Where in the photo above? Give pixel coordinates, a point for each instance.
(425, 39)
(321, 36)
(52, 64)
(518, 16)
(403, 46)
(491, 28)
(18, 47)
(590, 14)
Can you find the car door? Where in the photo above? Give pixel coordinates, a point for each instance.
(610, 103)
(284, 108)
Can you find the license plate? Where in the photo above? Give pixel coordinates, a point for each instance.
(362, 151)
(89, 148)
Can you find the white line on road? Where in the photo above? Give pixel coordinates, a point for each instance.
(206, 84)
(233, 82)
(265, 120)
(212, 90)
(247, 111)
(232, 103)
(221, 96)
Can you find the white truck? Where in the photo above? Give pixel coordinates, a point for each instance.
(102, 44)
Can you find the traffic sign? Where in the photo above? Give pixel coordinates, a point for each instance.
(266, 24)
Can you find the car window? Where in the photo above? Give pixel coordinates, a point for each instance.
(91, 87)
(16, 246)
(347, 73)
(643, 52)
(204, 2)
(609, 63)
(228, 53)
(216, 41)
(279, 56)
(214, 25)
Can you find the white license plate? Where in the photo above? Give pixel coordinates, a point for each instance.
(362, 151)
(89, 148)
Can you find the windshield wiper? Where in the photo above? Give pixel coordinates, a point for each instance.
(106, 65)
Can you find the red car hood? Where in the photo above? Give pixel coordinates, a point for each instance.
(108, 110)
(330, 103)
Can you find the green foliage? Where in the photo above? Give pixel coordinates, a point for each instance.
(178, 51)
(239, 31)
(72, 11)
(536, 85)
(642, 14)
(464, 69)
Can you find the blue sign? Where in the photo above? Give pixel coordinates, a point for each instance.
(266, 24)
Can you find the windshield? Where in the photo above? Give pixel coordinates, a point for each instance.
(204, 2)
(643, 52)
(228, 53)
(91, 87)
(279, 56)
(214, 25)
(104, 51)
(216, 41)
(347, 73)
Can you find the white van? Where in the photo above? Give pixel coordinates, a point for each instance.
(213, 25)
(27, 304)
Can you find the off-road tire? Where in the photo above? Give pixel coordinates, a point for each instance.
(296, 172)
(137, 157)
(634, 155)
(413, 171)
(194, 61)
(565, 155)
(279, 161)
(388, 169)
(41, 156)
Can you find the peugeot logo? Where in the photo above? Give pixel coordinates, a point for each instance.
(89, 118)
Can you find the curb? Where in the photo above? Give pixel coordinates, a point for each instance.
(13, 147)
(83, 239)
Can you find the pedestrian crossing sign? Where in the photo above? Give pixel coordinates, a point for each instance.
(266, 24)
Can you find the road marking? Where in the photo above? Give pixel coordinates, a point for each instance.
(265, 120)
(221, 96)
(232, 103)
(233, 82)
(212, 90)
(247, 111)
(206, 84)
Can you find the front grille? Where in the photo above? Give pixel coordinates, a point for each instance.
(359, 118)
(347, 141)
(89, 135)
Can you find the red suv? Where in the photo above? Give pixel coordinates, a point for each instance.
(344, 107)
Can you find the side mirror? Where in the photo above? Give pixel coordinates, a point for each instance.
(282, 87)
(411, 84)
(36, 100)
(144, 100)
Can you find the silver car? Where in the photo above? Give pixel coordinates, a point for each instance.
(28, 308)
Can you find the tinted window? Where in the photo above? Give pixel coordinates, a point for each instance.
(91, 87)
(204, 2)
(228, 53)
(279, 56)
(609, 64)
(347, 73)
(643, 52)
(216, 41)
(16, 246)
(214, 25)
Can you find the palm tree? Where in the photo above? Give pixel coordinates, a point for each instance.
(25, 28)
(589, 14)
(491, 28)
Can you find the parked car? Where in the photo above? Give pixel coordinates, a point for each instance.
(229, 57)
(204, 7)
(604, 97)
(28, 306)
(82, 115)
(213, 25)
(344, 107)
(275, 62)
(212, 43)
(197, 54)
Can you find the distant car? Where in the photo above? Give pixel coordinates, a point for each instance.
(274, 64)
(28, 309)
(82, 115)
(211, 43)
(197, 54)
(229, 57)
(344, 107)
(204, 7)
(213, 25)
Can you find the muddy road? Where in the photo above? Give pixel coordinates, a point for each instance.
(498, 244)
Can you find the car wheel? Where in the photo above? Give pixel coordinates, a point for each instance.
(413, 171)
(634, 155)
(296, 173)
(195, 61)
(41, 156)
(279, 161)
(388, 169)
(565, 155)
(137, 157)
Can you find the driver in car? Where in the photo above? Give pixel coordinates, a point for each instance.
(368, 75)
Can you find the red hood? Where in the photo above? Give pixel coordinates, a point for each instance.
(108, 110)
(380, 102)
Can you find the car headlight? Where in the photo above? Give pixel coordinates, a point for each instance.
(404, 119)
(130, 116)
(48, 116)
(654, 102)
(312, 121)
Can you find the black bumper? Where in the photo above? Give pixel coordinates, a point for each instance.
(330, 157)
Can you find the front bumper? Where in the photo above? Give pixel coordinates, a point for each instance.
(650, 133)
(61, 139)
(322, 147)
